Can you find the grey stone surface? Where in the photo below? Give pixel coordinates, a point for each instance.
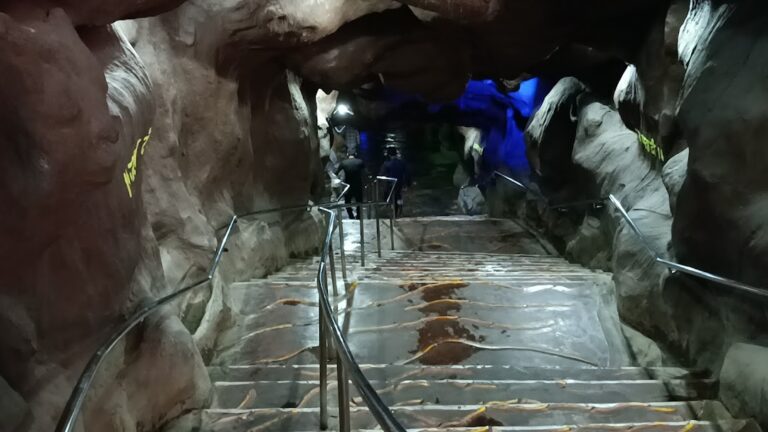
(645, 351)
(591, 245)
(618, 165)
(722, 114)
(674, 174)
(13, 408)
(551, 132)
(744, 381)
(629, 98)
(648, 92)
(471, 201)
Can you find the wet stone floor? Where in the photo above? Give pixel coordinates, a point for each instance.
(469, 323)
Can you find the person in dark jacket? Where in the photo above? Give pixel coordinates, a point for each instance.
(354, 176)
(396, 168)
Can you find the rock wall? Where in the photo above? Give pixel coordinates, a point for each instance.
(648, 92)
(707, 116)
(550, 137)
(610, 152)
(720, 212)
(124, 153)
(78, 252)
(124, 149)
(583, 150)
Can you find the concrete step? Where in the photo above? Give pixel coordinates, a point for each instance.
(457, 272)
(508, 292)
(473, 268)
(446, 416)
(388, 256)
(434, 277)
(305, 394)
(391, 373)
(451, 254)
(394, 256)
(691, 426)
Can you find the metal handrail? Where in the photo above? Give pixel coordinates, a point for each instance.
(69, 416)
(294, 207)
(392, 189)
(346, 362)
(347, 186)
(647, 244)
(393, 215)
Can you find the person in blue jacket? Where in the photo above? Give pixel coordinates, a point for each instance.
(396, 168)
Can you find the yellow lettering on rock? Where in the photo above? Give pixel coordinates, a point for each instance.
(132, 169)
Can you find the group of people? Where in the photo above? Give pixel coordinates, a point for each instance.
(355, 176)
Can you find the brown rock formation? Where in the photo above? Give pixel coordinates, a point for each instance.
(104, 220)
(79, 254)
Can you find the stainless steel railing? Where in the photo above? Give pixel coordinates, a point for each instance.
(71, 413)
(347, 367)
(611, 199)
(393, 208)
(72, 409)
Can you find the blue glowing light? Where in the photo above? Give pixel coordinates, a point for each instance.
(500, 115)
(485, 107)
(364, 141)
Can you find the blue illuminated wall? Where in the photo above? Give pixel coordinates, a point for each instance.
(485, 107)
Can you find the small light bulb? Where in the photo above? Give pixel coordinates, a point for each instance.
(343, 110)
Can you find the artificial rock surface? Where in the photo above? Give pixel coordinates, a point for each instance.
(551, 133)
(233, 131)
(122, 158)
(610, 152)
(648, 92)
(719, 210)
(723, 117)
(79, 254)
(744, 381)
(705, 112)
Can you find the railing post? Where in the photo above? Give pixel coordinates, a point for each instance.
(323, 345)
(392, 228)
(341, 245)
(331, 353)
(343, 385)
(376, 215)
(332, 262)
(362, 240)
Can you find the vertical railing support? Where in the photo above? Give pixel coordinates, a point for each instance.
(392, 228)
(376, 214)
(341, 246)
(332, 262)
(343, 384)
(331, 356)
(362, 241)
(323, 345)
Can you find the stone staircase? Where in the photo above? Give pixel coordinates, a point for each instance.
(453, 342)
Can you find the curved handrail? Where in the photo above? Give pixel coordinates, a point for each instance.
(68, 418)
(347, 186)
(294, 207)
(72, 409)
(376, 405)
(647, 244)
(392, 189)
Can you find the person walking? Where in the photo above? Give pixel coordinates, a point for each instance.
(354, 176)
(396, 168)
